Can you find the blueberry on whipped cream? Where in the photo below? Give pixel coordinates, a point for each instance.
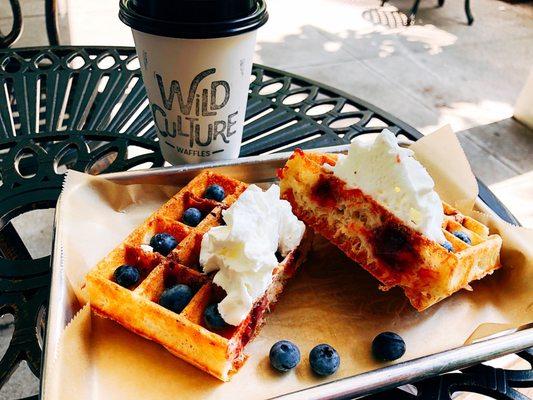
(243, 251)
(391, 175)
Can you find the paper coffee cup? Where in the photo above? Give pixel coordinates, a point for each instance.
(196, 66)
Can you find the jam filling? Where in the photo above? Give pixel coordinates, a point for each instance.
(395, 246)
(256, 315)
(323, 192)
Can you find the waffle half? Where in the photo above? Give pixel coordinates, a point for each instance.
(185, 335)
(385, 246)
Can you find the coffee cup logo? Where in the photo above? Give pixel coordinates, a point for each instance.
(192, 106)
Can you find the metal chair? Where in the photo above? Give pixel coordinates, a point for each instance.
(50, 6)
(414, 10)
(8, 39)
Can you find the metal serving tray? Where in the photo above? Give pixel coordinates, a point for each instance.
(262, 169)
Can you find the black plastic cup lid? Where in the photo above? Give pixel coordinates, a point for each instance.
(199, 19)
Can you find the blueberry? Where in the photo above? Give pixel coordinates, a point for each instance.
(324, 359)
(463, 236)
(215, 192)
(163, 243)
(176, 298)
(192, 216)
(388, 346)
(127, 275)
(447, 245)
(284, 355)
(212, 318)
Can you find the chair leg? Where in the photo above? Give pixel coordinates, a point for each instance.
(412, 12)
(50, 7)
(468, 12)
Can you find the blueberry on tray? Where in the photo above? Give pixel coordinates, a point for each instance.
(324, 360)
(388, 346)
(284, 355)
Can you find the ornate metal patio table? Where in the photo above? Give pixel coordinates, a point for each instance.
(86, 109)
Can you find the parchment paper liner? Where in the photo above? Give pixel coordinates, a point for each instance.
(330, 300)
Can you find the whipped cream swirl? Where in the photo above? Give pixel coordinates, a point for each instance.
(391, 175)
(243, 251)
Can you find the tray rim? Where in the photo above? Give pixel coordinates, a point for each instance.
(353, 386)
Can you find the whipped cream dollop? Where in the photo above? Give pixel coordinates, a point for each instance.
(243, 251)
(391, 175)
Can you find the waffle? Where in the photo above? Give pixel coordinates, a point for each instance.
(385, 246)
(185, 335)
